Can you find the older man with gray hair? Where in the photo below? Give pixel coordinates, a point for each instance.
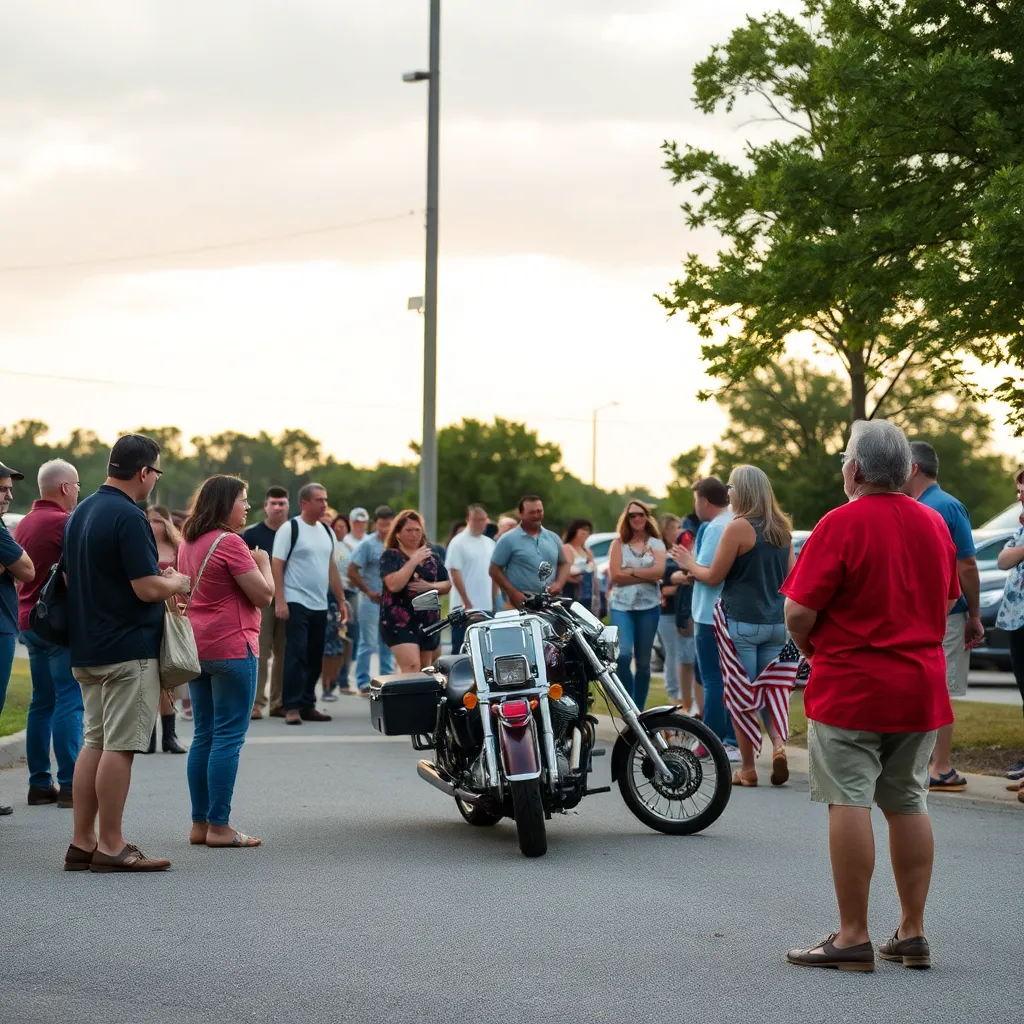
(55, 712)
(867, 605)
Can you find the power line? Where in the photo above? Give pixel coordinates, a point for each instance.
(213, 247)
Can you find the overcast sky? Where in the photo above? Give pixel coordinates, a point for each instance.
(132, 128)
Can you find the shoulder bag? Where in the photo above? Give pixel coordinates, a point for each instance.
(48, 618)
(179, 657)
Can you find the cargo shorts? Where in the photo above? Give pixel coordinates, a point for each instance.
(958, 658)
(853, 768)
(121, 702)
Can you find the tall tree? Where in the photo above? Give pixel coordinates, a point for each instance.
(798, 221)
(942, 104)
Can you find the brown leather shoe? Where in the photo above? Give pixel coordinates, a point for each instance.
(39, 795)
(315, 716)
(825, 954)
(65, 798)
(77, 859)
(915, 953)
(292, 718)
(131, 858)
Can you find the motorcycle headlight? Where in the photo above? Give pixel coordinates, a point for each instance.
(610, 640)
(510, 672)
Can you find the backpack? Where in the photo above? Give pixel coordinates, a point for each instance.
(295, 536)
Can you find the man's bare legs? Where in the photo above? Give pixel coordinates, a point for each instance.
(912, 851)
(942, 762)
(852, 849)
(113, 777)
(86, 806)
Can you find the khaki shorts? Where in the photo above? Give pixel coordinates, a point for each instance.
(857, 769)
(958, 658)
(121, 703)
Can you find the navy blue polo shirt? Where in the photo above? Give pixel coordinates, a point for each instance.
(10, 552)
(107, 544)
(959, 524)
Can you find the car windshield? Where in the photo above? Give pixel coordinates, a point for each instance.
(1009, 519)
(600, 548)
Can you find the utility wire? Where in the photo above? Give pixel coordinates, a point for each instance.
(199, 249)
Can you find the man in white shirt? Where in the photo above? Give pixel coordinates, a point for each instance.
(468, 561)
(304, 568)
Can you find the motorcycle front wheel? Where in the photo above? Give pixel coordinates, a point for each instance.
(529, 811)
(701, 784)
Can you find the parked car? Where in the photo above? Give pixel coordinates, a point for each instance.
(599, 545)
(11, 520)
(987, 544)
(1008, 520)
(994, 650)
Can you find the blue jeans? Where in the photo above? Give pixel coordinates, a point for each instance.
(222, 696)
(55, 713)
(757, 644)
(8, 642)
(369, 640)
(670, 643)
(636, 639)
(715, 717)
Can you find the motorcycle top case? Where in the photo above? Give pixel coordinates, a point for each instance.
(405, 704)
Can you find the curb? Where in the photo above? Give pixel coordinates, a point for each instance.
(981, 789)
(12, 749)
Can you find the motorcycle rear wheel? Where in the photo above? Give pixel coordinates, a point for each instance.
(477, 814)
(529, 811)
(704, 769)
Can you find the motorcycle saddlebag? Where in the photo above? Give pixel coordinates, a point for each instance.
(405, 704)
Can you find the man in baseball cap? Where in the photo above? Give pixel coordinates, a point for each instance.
(358, 520)
(15, 566)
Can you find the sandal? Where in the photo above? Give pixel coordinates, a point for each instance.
(739, 780)
(780, 769)
(240, 841)
(948, 782)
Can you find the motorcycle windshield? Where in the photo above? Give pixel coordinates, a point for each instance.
(508, 642)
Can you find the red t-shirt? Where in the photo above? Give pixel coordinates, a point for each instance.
(879, 572)
(41, 534)
(225, 622)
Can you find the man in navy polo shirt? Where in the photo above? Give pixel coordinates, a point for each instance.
(116, 594)
(15, 566)
(963, 625)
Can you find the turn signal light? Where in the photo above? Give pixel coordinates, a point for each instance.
(470, 701)
(555, 691)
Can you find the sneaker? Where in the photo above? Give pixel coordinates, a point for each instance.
(329, 697)
(733, 753)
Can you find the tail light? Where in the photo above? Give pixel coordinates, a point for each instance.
(513, 712)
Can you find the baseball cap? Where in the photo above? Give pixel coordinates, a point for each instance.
(12, 473)
(359, 515)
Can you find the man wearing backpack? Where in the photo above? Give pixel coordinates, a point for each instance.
(304, 568)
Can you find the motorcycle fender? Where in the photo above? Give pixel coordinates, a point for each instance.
(619, 751)
(518, 745)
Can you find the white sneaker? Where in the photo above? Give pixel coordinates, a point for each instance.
(733, 753)
(329, 696)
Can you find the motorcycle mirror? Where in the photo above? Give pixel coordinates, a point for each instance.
(545, 571)
(428, 602)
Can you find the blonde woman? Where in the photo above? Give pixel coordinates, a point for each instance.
(168, 541)
(752, 561)
(636, 564)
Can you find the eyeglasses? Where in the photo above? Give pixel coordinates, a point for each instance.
(843, 458)
(153, 469)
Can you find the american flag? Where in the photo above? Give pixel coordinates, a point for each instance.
(744, 698)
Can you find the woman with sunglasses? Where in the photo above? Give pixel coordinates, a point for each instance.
(636, 564)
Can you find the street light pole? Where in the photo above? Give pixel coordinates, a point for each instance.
(593, 442)
(428, 447)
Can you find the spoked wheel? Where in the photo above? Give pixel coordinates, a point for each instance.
(477, 814)
(529, 808)
(700, 786)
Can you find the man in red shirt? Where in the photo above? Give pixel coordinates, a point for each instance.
(55, 712)
(867, 604)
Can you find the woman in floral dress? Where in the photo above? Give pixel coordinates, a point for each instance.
(409, 566)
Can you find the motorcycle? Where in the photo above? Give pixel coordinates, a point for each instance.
(510, 726)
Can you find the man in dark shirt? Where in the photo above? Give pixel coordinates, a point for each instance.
(272, 629)
(15, 565)
(116, 593)
(55, 714)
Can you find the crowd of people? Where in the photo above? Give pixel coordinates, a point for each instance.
(289, 603)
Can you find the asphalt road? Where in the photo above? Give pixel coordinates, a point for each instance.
(372, 901)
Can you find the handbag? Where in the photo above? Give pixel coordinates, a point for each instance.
(179, 656)
(48, 618)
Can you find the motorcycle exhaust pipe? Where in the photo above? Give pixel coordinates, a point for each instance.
(574, 750)
(439, 779)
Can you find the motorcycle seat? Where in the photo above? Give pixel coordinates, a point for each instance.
(447, 662)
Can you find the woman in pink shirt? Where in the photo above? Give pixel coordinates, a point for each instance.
(227, 595)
